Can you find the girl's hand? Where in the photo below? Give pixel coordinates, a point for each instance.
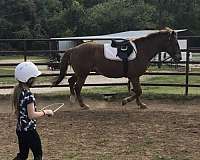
(48, 112)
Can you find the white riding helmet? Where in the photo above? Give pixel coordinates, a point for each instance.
(26, 70)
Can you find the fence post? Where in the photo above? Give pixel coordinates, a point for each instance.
(25, 49)
(187, 69)
(50, 56)
(159, 60)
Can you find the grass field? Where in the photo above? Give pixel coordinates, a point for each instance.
(196, 56)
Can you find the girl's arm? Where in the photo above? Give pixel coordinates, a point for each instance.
(32, 114)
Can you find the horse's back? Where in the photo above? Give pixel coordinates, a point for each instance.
(84, 56)
(87, 51)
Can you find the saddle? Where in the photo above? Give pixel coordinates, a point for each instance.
(124, 49)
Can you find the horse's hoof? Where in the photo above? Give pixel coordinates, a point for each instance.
(85, 107)
(124, 101)
(143, 106)
(72, 99)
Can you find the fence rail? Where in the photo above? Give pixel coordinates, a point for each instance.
(25, 52)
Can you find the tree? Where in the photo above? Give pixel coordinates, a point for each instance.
(18, 17)
(116, 16)
(59, 18)
(92, 3)
(72, 16)
(5, 28)
(177, 14)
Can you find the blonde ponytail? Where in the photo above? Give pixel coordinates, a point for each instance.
(15, 98)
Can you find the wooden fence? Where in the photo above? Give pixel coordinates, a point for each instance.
(27, 52)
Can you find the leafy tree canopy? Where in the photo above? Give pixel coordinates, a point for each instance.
(59, 18)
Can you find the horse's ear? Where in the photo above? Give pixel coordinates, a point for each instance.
(172, 34)
(168, 29)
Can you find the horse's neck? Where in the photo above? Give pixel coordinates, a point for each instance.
(149, 47)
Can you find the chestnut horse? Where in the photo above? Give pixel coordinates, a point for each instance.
(89, 57)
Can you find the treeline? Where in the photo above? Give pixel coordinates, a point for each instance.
(62, 18)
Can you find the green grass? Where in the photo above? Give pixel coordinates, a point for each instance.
(148, 91)
(11, 57)
(10, 70)
(172, 79)
(170, 68)
(7, 70)
(151, 92)
(173, 93)
(38, 59)
(21, 57)
(196, 57)
(11, 80)
(121, 91)
(163, 68)
(165, 79)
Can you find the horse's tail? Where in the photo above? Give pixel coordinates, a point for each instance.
(63, 67)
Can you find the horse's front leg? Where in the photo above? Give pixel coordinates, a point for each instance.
(78, 86)
(133, 95)
(137, 93)
(128, 99)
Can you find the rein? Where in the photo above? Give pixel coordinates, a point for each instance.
(166, 59)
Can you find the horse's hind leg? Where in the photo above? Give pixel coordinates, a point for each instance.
(138, 101)
(137, 93)
(78, 86)
(72, 80)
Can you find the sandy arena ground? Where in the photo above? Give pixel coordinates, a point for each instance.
(168, 130)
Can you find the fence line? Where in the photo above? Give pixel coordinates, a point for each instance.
(26, 53)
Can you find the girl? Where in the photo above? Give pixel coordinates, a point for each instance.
(25, 109)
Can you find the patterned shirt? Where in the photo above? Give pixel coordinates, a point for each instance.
(24, 123)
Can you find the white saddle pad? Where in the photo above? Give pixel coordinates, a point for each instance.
(111, 52)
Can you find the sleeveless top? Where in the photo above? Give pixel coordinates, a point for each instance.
(24, 123)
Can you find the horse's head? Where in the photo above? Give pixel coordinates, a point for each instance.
(172, 46)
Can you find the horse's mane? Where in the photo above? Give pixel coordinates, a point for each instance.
(155, 34)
